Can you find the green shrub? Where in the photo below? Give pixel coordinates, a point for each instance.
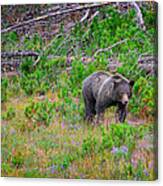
(40, 112)
(144, 101)
(4, 86)
(90, 144)
(9, 114)
(116, 136)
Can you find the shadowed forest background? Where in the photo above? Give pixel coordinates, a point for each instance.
(47, 50)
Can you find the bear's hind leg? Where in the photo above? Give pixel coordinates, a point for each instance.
(100, 109)
(90, 111)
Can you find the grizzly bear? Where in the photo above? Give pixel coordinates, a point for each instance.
(102, 90)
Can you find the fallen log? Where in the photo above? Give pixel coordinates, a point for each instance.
(10, 74)
(53, 14)
(19, 54)
(148, 64)
(11, 63)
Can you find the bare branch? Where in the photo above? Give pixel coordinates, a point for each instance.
(53, 14)
(110, 47)
(85, 16)
(65, 39)
(19, 53)
(139, 16)
(44, 49)
(11, 63)
(94, 15)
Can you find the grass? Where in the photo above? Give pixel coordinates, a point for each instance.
(64, 150)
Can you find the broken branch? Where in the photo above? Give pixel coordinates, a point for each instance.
(139, 16)
(110, 47)
(19, 54)
(85, 16)
(94, 15)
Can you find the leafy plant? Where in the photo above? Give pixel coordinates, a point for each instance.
(4, 86)
(9, 114)
(40, 112)
(89, 144)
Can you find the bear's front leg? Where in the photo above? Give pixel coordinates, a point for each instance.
(121, 113)
(99, 118)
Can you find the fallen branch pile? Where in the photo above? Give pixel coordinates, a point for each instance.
(53, 14)
(86, 12)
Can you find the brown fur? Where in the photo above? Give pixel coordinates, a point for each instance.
(102, 90)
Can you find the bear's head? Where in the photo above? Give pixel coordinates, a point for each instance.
(122, 89)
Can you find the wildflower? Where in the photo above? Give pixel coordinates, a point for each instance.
(62, 125)
(53, 169)
(150, 166)
(134, 162)
(52, 100)
(62, 167)
(146, 172)
(75, 127)
(73, 142)
(12, 131)
(77, 143)
(33, 111)
(114, 150)
(124, 149)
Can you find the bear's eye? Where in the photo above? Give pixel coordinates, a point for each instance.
(128, 94)
(121, 93)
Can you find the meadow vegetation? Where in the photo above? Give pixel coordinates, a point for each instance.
(43, 133)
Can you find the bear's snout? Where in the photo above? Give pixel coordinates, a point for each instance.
(125, 99)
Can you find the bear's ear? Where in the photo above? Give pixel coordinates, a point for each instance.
(117, 79)
(131, 83)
